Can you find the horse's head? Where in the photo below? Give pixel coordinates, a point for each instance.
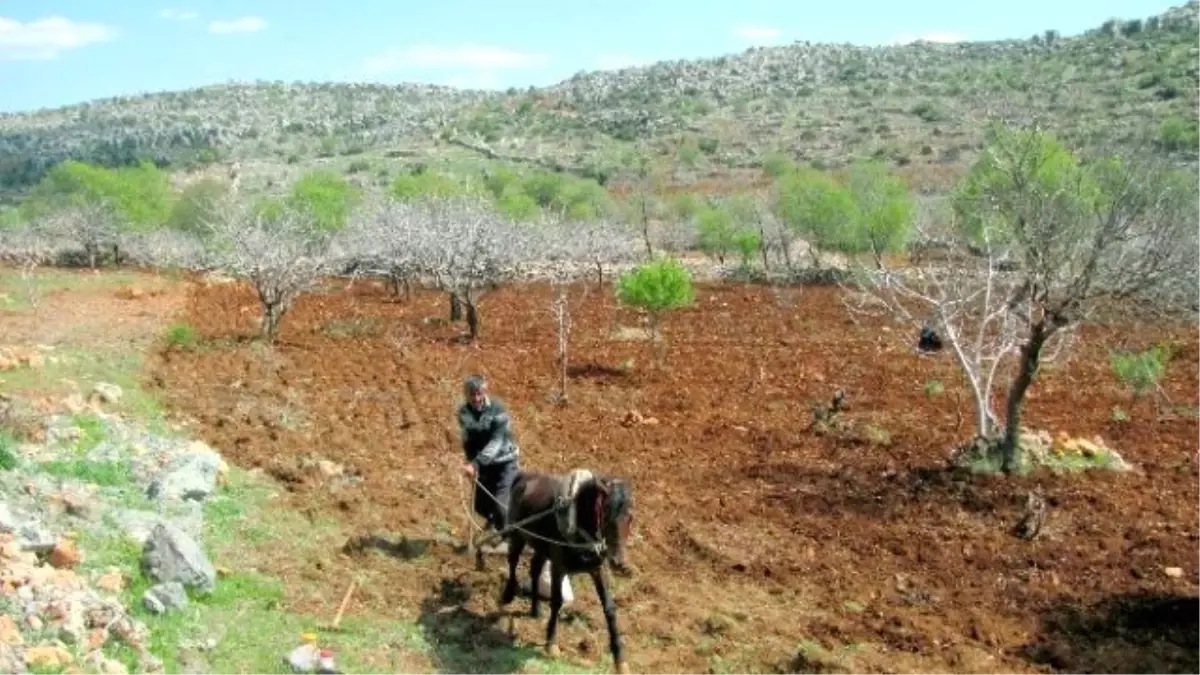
(614, 516)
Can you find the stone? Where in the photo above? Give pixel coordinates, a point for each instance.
(162, 598)
(171, 555)
(65, 555)
(191, 476)
(48, 657)
(10, 633)
(106, 392)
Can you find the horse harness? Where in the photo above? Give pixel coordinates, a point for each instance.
(564, 511)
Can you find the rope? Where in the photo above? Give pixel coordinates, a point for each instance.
(596, 546)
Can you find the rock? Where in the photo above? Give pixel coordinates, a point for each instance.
(48, 657)
(162, 598)
(171, 555)
(191, 476)
(64, 555)
(10, 633)
(106, 393)
(139, 524)
(112, 581)
(1173, 572)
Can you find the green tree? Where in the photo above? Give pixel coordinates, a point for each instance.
(1083, 235)
(812, 205)
(196, 206)
(884, 209)
(716, 231)
(659, 287)
(326, 197)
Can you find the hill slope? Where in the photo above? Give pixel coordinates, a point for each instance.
(920, 104)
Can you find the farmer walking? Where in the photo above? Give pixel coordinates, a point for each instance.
(493, 456)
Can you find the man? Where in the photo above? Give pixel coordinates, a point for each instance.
(493, 457)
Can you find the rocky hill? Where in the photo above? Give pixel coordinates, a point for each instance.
(920, 105)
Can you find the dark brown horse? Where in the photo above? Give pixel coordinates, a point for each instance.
(603, 515)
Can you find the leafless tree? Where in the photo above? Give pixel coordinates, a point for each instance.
(282, 255)
(93, 225)
(598, 244)
(380, 237)
(1080, 236)
(164, 248)
(466, 247)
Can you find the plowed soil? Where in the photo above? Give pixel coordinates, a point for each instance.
(760, 545)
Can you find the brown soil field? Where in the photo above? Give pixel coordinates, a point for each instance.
(760, 546)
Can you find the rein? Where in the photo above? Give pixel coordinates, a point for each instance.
(597, 546)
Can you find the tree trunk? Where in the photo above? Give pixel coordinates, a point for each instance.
(1010, 446)
(763, 246)
(455, 307)
(472, 318)
(646, 229)
(272, 317)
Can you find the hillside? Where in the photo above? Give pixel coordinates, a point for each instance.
(919, 105)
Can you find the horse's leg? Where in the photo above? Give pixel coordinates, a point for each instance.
(610, 618)
(557, 572)
(535, 571)
(516, 545)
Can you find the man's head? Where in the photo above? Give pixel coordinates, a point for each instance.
(475, 388)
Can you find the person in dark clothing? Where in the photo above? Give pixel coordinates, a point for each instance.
(492, 454)
(929, 342)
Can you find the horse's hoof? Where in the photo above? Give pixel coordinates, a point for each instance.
(553, 651)
(623, 668)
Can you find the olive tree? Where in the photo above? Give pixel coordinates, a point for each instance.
(1057, 239)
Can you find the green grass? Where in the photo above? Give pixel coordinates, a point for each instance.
(15, 290)
(83, 367)
(242, 528)
(104, 474)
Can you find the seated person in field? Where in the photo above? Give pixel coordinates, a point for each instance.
(929, 342)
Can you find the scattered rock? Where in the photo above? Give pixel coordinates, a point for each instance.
(162, 598)
(1173, 572)
(106, 393)
(171, 555)
(64, 555)
(191, 476)
(48, 657)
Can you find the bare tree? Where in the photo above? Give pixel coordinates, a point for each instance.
(466, 247)
(380, 239)
(93, 225)
(1081, 236)
(595, 243)
(282, 254)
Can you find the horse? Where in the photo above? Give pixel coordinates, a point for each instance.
(592, 531)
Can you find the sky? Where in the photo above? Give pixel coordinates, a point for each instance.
(58, 52)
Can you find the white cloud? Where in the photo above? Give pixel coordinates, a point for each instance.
(245, 24)
(171, 14)
(757, 33)
(618, 61)
(45, 39)
(473, 56)
(939, 37)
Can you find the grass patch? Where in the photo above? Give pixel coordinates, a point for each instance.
(15, 290)
(182, 336)
(104, 474)
(78, 369)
